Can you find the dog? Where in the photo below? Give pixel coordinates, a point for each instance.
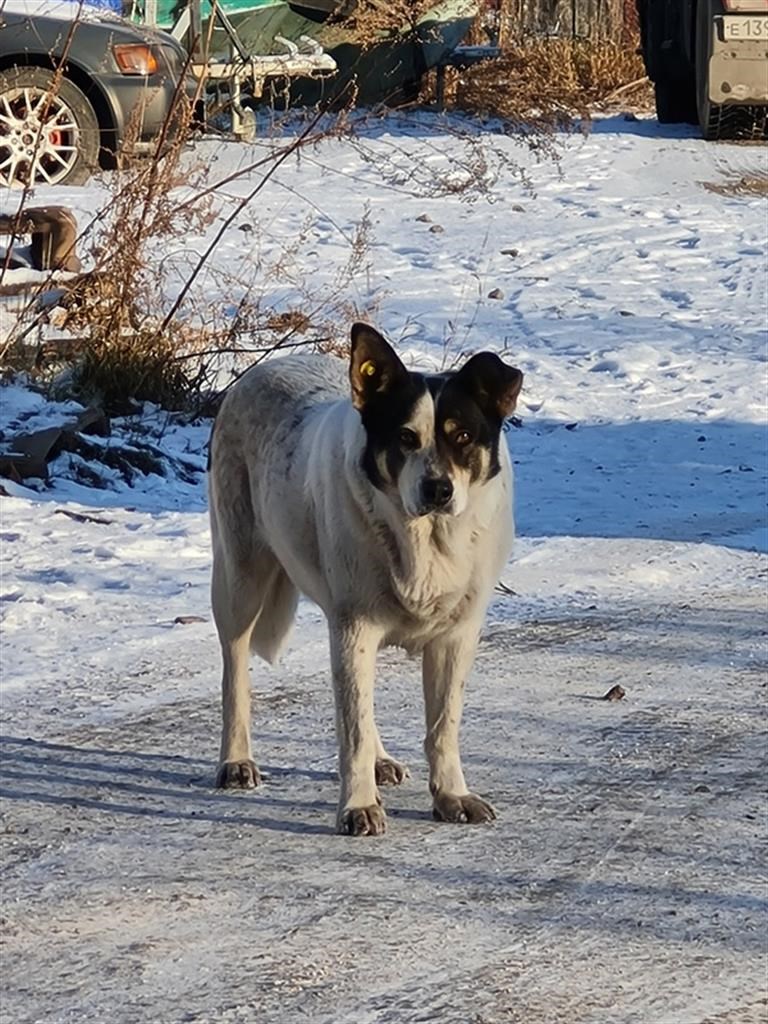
(384, 496)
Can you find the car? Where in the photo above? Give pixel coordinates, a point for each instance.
(79, 86)
(708, 61)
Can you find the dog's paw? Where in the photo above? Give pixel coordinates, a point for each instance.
(238, 775)
(390, 773)
(362, 821)
(469, 808)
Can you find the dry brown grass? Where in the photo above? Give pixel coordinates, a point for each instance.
(744, 185)
(373, 19)
(113, 309)
(109, 345)
(550, 80)
(130, 349)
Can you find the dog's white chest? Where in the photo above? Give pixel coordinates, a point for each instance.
(432, 594)
(436, 581)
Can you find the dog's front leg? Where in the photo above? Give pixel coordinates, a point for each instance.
(446, 663)
(354, 645)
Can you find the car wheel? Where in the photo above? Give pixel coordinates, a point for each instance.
(715, 120)
(49, 134)
(673, 78)
(675, 101)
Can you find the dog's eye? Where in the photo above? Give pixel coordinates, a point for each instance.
(409, 440)
(462, 438)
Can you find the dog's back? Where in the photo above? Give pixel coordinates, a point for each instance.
(263, 412)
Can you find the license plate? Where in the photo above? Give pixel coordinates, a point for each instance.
(745, 28)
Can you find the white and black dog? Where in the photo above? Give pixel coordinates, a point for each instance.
(385, 496)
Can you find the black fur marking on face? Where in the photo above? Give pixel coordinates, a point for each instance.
(384, 416)
(457, 414)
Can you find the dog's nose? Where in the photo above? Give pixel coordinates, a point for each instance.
(436, 491)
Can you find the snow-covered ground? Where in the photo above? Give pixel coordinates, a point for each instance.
(625, 880)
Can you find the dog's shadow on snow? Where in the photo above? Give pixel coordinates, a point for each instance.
(168, 787)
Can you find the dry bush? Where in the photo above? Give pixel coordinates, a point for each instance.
(373, 20)
(122, 338)
(134, 341)
(131, 349)
(114, 308)
(109, 346)
(548, 81)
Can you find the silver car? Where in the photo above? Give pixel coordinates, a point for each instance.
(77, 86)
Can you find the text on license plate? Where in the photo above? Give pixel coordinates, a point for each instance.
(745, 28)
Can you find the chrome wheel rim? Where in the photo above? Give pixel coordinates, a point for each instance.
(38, 137)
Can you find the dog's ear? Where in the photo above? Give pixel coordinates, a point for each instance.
(492, 383)
(374, 366)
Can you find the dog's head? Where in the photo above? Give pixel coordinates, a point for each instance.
(430, 438)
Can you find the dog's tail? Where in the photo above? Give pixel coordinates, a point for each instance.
(274, 621)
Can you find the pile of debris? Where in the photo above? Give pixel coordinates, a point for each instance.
(96, 454)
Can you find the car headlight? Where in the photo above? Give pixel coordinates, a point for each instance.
(135, 59)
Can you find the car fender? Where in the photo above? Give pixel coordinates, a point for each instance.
(108, 116)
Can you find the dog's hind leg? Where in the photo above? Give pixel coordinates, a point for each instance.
(389, 772)
(236, 605)
(254, 606)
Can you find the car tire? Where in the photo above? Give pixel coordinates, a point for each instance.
(45, 141)
(675, 101)
(673, 78)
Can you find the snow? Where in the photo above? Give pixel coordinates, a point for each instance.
(624, 881)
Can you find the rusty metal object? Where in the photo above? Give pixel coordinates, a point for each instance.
(53, 231)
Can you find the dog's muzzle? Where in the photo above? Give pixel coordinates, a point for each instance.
(436, 494)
